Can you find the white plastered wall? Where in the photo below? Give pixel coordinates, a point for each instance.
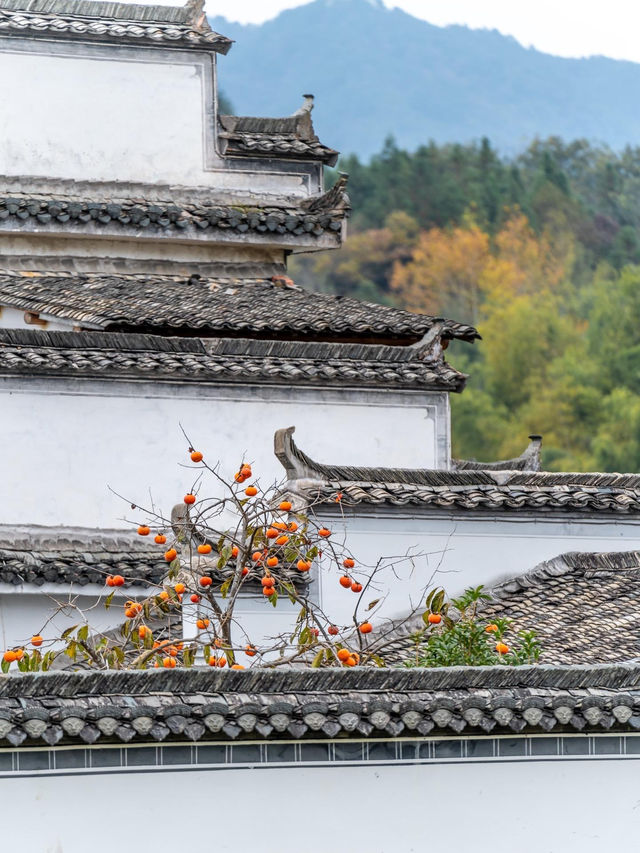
(65, 443)
(97, 113)
(460, 550)
(556, 807)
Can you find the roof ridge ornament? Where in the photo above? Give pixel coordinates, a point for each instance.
(196, 15)
(529, 460)
(306, 107)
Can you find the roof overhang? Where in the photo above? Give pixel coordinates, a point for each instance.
(92, 20)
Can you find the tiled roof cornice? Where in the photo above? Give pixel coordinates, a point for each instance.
(134, 356)
(311, 218)
(474, 489)
(192, 705)
(40, 555)
(107, 22)
(537, 497)
(289, 138)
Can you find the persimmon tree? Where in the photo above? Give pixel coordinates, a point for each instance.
(217, 550)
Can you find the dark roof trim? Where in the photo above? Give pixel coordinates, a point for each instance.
(311, 218)
(185, 26)
(136, 356)
(189, 705)
(622, 676)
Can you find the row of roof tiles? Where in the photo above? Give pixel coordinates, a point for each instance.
(132, 356)
(213, 305)
(192, 704)
(290, 137)
(168, 26)
(461, 489)
(129, 215)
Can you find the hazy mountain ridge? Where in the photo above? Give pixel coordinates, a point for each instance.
(376, 72)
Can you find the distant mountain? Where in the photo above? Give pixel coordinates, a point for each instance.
(377, 71)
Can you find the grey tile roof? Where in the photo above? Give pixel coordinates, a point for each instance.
(185, 26)
(476, 489)
(312, 217)
(288, 138)
(192, 705)
(265, 307)
(40, 556)
(136, 356)
(583, 606)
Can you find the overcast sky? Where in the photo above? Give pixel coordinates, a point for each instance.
(563, 27)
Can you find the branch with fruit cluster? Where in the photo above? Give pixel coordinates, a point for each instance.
(269, 548)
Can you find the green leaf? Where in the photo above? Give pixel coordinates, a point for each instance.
(317, 661)
(225, 587)
(5, 666)
(437, 601)
(83, 633)
(305, 636)
(68, 632)
(108, 600)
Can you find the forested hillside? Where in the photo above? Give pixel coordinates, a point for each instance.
(542, 253)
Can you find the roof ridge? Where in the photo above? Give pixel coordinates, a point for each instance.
(184, 26)
(618, 676)
(104, 9)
